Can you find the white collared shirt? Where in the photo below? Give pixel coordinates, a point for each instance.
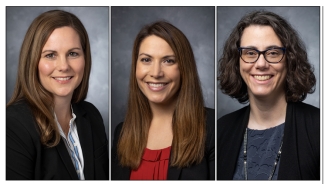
(73, 146)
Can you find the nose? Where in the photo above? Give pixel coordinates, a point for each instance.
(156, 70)
(261, 63)
(62, 64)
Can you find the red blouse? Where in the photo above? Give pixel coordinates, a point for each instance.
(153, 166)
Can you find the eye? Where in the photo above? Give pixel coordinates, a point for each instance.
(145, 60)
(273, 53)
(250, 52)
(73, 54)
(50, 56)
(169, 61)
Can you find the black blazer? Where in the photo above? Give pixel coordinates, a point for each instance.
(202, 171)
(300, 158)
(27, 158)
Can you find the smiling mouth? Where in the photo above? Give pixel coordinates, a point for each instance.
(62, 78)
(262, 77)
(156, 85)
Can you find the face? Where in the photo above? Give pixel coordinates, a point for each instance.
(263, 79)
(157, 71)
(62, 63)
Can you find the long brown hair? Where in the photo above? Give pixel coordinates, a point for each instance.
(189, 117)
(300, 78)
(28, 86)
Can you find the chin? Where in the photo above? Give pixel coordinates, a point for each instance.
(261, 94)
(156, 101)
(63, 94)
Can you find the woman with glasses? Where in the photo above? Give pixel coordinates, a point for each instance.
(277, 136)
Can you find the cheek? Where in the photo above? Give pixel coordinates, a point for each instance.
(244, 68)
(80, 67)
(283, 74)
(140, 72)
(241, 69)
(175, 75)
(45, 68)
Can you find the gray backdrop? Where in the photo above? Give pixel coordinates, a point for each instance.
(305, 20)
(197, 23)
(95, 20)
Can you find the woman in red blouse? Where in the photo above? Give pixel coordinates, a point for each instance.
(167, 132)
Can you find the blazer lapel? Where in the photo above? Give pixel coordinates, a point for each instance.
(173, 173)
(63, 152)
(85, 138)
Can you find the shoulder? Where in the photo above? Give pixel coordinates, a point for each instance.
(304, 113)
(19, 108)
(232, 124)
(88, 110)
(85, 106)
(21, 128)
(306, 116)
(305, 108)
(233, 116)
(19, 117)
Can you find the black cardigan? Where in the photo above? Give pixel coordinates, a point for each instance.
(300, 158)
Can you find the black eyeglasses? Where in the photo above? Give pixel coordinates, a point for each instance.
(271, 55)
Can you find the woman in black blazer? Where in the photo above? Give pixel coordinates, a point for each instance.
(167, 132)
(51, 132)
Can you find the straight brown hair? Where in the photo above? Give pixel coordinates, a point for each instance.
(28, 86)
(189, 129)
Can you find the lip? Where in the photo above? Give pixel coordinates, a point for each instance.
(157, 86)
(262, 78)
(63, 79)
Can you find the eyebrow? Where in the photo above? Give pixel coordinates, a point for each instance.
(268, 47)
(75, 48)
(148, 55)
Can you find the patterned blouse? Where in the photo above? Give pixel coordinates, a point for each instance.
(262, 149)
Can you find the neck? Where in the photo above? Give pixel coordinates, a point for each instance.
(267, 112)
(162, 111)
(63, 113)
(160, 133)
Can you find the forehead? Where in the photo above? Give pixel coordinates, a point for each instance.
(260, 37)
(63, 37)
(155, 45)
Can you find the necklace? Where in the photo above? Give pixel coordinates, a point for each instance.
(276, 159)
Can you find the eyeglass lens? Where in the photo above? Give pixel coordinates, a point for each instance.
(272, 55)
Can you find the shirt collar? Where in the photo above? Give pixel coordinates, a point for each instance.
(71, 123)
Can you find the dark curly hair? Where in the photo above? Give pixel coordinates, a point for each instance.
(300, 78)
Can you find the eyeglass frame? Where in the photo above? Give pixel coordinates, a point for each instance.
(261, 52)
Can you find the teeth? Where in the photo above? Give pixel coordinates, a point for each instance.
(262, 77)
(62, 78)
(155, 85)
